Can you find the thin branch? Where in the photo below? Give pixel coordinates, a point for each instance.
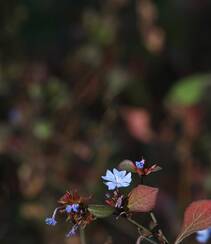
(156, 223)
(82, 236)
(146, 231)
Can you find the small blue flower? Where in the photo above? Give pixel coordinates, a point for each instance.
(72, 208)
(140, 164)
(117, 179)
(50, 221)
(203, 236)
(75, 207)
(72, 232)
(68, 208)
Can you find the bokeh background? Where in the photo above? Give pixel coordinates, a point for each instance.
(85, 84)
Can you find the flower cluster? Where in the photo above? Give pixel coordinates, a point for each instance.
(78, 212)
(75, 209)
(141, 168)
(141, 199)
(115, 180)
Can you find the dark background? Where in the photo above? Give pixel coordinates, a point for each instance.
(86, 84)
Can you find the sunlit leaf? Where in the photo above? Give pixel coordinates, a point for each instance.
(142, 198)
(100, 211)
(197, 217)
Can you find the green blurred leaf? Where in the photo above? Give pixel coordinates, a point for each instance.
(42, 129)
(100, 211)
(189, 90)
(127, 165)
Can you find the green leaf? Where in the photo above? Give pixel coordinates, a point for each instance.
(100, 211)
(188, 91)
(127, 165)
(42, 129)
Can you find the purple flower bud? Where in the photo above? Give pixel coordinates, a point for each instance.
(50, 221)
(72, 232)
(72, 208)
(75, 207)
(68, 208)
(140, 164)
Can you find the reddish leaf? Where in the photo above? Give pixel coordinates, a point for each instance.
(153, 168)
(142, 198)
(197, 217)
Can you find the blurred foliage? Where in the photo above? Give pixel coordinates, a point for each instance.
(189, 91)
(87, 84)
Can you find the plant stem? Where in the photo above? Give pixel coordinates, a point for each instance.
(82, 236)
(156, 223)
(146, 231)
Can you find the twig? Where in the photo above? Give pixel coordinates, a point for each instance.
(159, 230)
(146, 231)
(82, 236)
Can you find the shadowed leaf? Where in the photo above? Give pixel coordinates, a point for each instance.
(142, 198)
(127, 165)
(100, 211)
(197, 217)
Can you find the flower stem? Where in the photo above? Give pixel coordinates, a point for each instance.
(156, 223)
(82, 236)
(146, 231)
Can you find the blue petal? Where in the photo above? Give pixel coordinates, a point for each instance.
(50, 221)
(111, 185)
(72, 232)
(123, 184)
(127, 178)
(202, 236)
(68, 208)
(122, 173)
(140, 164)
(75, 207)
(116, 172)
(109, 176)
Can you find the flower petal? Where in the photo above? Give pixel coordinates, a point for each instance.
(123, 184)
(68, 208)
(122, 173)
(128, 178)
(111, 185)
(109, 176)
(75, 207)
(202, 236)
(50, 221)
(116, 172)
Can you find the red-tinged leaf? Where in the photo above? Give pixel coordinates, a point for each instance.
(153, 168)
(127, 165)
(142, 198)
(197, 217)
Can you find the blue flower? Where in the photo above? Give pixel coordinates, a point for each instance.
(117, 179)
(72, 232)
(50, 221)
(140, 164)
(203, 236)
(72, 208)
